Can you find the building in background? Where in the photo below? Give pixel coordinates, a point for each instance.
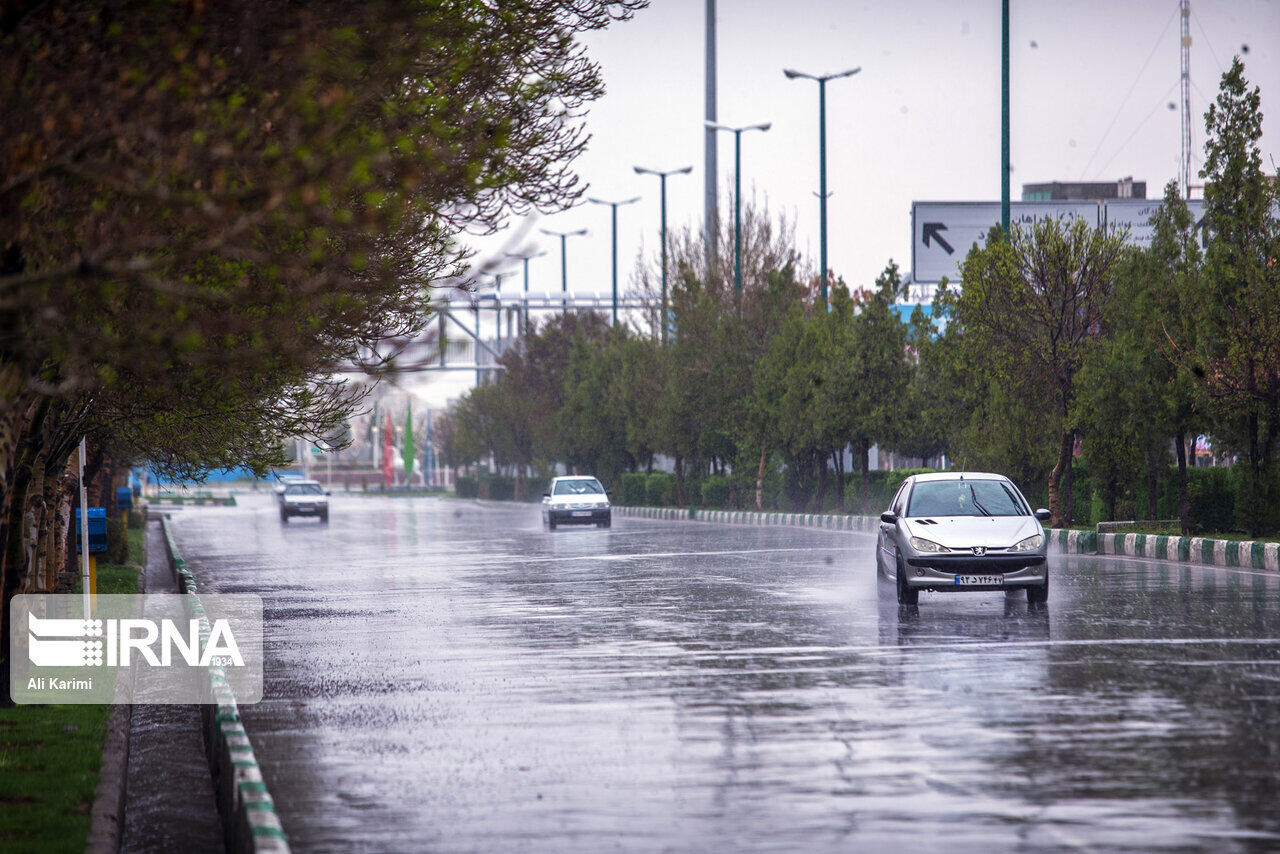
(1090, 191)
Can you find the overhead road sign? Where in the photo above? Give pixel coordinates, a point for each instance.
(943, 232)
(1137, 213)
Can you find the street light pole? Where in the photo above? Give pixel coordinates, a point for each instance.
(524, 307)
(564, 264)
(662, 178)
(737, 202)
(822, 159)
(614, 215)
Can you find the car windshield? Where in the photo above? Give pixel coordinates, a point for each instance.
(964, 498)
(589, 486)
(303, 489)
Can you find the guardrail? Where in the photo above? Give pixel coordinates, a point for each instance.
(249, 821)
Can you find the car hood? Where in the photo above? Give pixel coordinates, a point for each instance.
(306, 499)
(964, 532)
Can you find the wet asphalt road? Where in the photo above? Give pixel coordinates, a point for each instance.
(445, 675)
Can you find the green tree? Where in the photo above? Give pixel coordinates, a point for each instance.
(1030, 304)
(1235, 355)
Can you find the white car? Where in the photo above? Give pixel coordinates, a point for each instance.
(576, 500)
(304, 498)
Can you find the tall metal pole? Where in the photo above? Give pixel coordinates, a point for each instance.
(737, 219)
(1004, 116)
(663, 182)
(711, 193)
(822, 164)
(613, 206)
(564, 263)
(1185, 11)
(84, 533)
(662, 178)
(822, 182)
(614, 217)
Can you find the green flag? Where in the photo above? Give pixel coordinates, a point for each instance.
(406, 451)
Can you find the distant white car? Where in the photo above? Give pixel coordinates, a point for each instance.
(576, 501)
(304, 498)
(284, 480)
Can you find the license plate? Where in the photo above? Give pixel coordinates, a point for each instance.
(581, 513)
(967, 580)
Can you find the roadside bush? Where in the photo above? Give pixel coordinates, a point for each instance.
(117, 542)
(1212, 493)
(631, 489)
(467, 487)
(660, 489)
(715, 491)
(500, 487)
(137, 521)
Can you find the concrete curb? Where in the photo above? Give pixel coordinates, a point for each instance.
(1248, 554)
(249, 820)
(106, 822)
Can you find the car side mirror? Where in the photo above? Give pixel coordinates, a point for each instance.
(889, 517)
(1043, 515)
(327, 492)
(546, 495)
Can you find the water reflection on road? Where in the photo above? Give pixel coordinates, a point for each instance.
(446, 674)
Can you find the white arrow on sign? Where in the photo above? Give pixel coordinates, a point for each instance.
(943, 232)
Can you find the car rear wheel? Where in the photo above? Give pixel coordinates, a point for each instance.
(907, 595)
(1039, 595)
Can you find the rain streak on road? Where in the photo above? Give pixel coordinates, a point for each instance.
(446, 675)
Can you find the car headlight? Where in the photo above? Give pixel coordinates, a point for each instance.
(1029, 544)
(927, 545)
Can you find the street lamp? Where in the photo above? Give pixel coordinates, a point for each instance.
(737, 201)
(564, 274)
(822, 157)
(662, 177)
(614, 213)
(524, 308)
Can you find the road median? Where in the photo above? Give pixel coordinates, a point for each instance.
(249, 819)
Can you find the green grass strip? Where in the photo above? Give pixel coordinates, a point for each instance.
(50, 755)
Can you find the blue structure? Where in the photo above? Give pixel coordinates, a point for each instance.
(97, 530)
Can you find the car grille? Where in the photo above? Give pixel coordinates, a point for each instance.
(581, 506)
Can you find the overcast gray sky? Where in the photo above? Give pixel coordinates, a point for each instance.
(1092, 82)
(1091, 87)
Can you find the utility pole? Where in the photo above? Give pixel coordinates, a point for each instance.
(1186, 97)
(711, 191)
(1004, 116)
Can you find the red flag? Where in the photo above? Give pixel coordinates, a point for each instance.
(388, 463)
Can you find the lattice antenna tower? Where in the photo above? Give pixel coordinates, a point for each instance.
(1185, 8)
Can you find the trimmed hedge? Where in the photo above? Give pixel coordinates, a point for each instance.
(467, 487)
(715, 491)
(660, 489)
(632, 489)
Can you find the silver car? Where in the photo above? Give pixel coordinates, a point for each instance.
(576, 501)
(955, 531)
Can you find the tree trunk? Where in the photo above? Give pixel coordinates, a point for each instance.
(821, 459)
(864, 462)
(764, 449)
(1184, 506)
(679, 482)
(1153, 481)
(1068, 484)
(12, 560)
(1055, 479)
(838, 457)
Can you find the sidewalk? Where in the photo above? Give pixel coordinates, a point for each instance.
(169, 802)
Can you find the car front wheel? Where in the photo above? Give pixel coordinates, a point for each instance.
(1040, 594)
(907, 595)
